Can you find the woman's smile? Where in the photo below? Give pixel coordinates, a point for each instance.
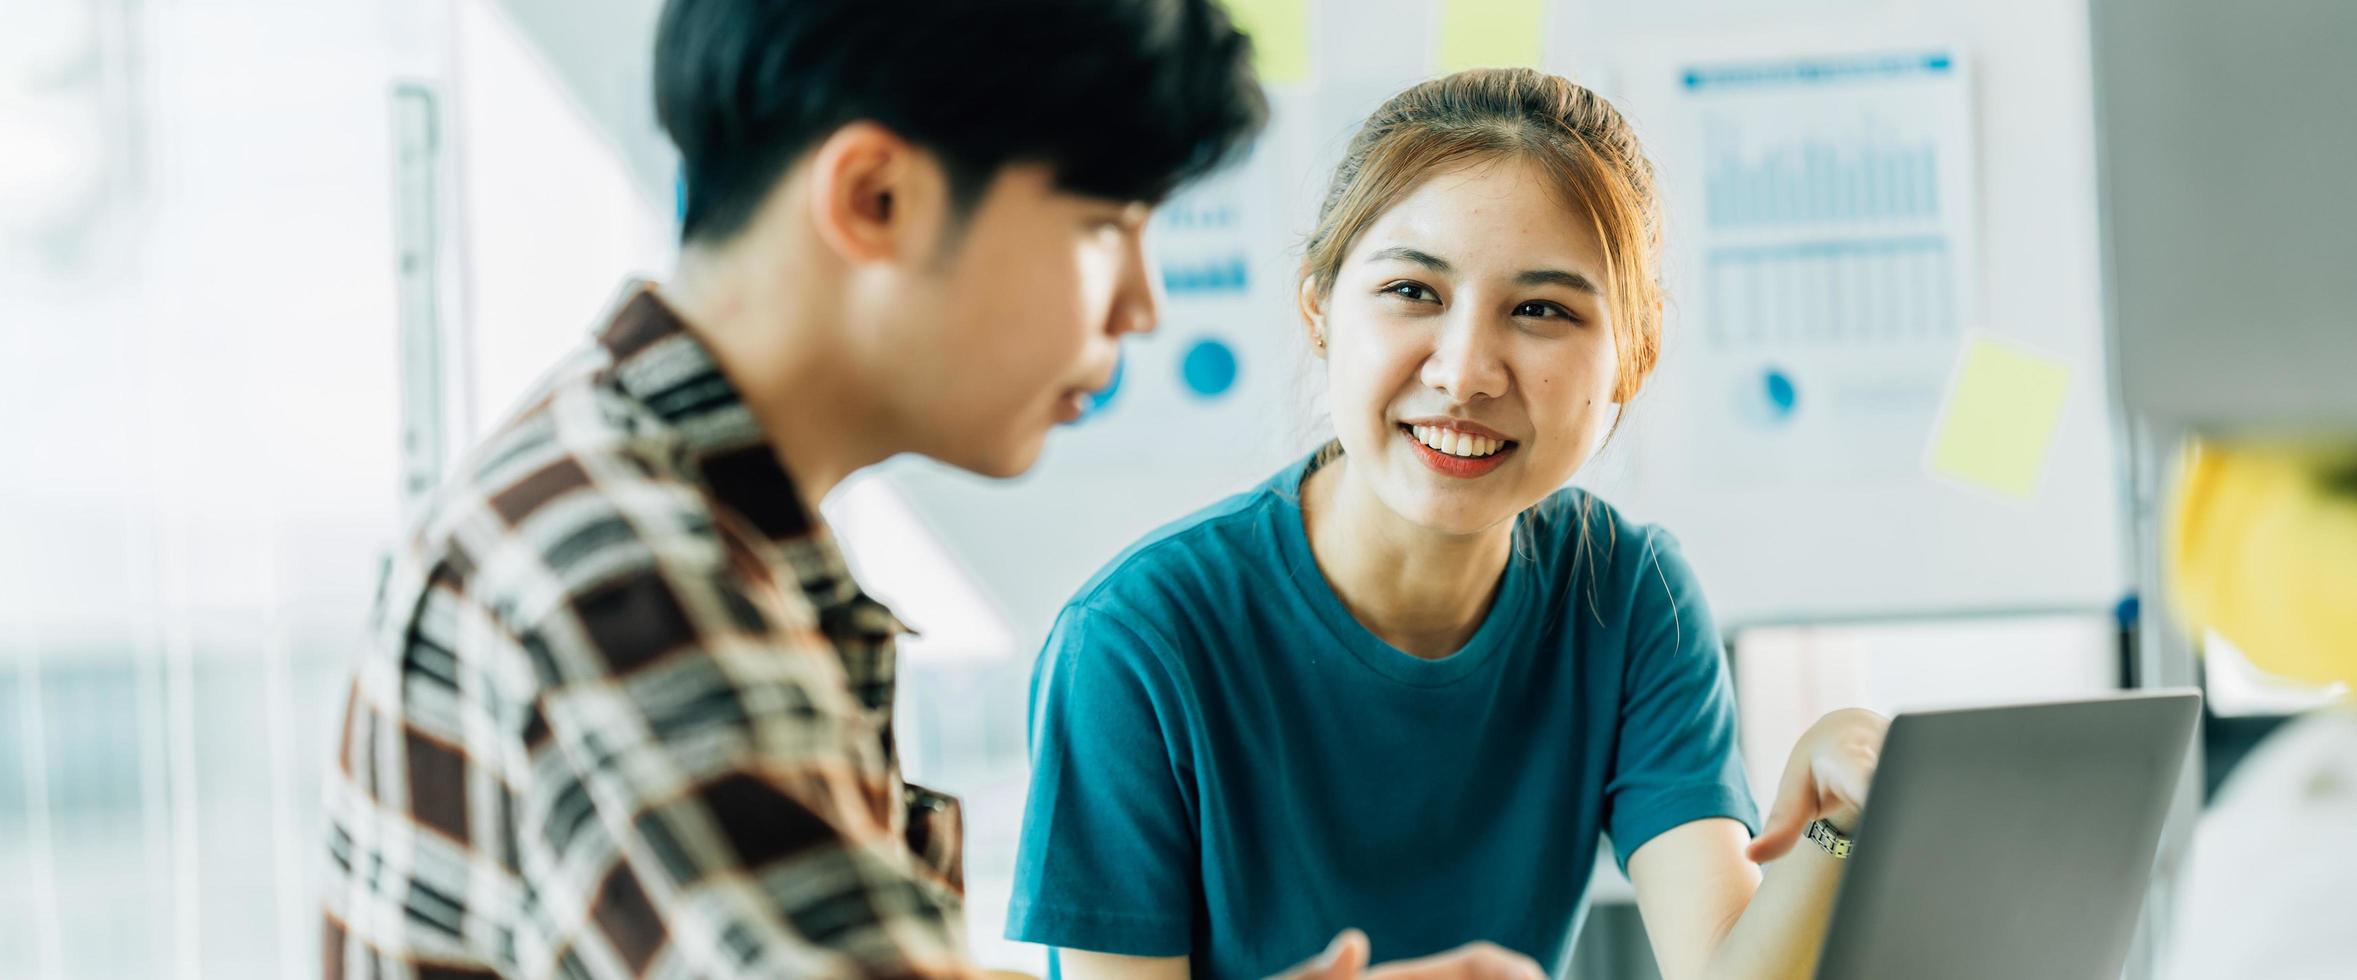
(1453, 452)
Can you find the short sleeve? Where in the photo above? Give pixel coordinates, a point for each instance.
(1108, 860)
(1676, 760)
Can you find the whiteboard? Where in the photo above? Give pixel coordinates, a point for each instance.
(1843, 521)
(1848, 525)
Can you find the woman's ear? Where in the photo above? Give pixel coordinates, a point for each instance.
(1312, 302)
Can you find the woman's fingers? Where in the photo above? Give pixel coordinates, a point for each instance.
(1845, 767)
(1472, 961)
(1845, 781)
(1827, 776)
(1344, 959)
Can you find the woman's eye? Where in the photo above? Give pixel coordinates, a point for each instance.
(1409, 290)
(1538, 309)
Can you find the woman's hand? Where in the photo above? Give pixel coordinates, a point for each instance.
(1346, 959)
(1826, 779)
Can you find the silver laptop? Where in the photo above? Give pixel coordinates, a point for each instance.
(2012, 842)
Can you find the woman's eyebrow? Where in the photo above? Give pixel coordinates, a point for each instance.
(1532, 277)
(1558, 277)
(1422, 258)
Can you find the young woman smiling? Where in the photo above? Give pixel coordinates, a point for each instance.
(1407, 684)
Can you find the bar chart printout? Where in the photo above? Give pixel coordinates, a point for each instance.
(1827, 205)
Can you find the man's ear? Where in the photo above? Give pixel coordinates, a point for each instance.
(1312, 302)
(872, 193)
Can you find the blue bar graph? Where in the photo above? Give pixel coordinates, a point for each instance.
(1847, 291)
(1187, 214)
(1813, 182)
(1221, 275)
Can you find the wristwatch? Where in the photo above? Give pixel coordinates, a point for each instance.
(1831, 839)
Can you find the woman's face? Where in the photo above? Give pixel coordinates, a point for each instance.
(1469, 350)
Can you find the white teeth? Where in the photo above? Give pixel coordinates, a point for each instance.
(1456, 443)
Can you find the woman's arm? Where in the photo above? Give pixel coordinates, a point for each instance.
(1344, 959)
(1078, 964)
(1707, 909)
(1710, 914)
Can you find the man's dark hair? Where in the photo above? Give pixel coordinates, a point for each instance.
(1124, 99)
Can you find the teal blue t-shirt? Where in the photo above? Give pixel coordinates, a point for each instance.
(1227, 765)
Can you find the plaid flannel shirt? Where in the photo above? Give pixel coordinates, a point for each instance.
(625, 713)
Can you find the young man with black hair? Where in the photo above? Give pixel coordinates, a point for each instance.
(624, 712)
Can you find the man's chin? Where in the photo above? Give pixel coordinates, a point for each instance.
(1005, 462)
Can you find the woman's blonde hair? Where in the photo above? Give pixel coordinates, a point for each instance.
(1494, 113)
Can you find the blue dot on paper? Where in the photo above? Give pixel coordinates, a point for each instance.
(1783, 398)
(1098, 401)
(1209, 368)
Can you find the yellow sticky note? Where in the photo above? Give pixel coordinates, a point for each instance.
(2000, 418)
(1489, 34)
(1279, 30)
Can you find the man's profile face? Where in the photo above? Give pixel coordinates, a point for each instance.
(1017, 320)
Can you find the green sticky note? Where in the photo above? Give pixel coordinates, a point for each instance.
(1489, 34)
(1280, 37)
(2000, 418)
